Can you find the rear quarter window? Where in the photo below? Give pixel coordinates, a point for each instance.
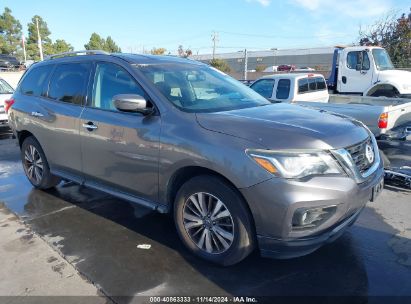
(35, 82)
(283, 89)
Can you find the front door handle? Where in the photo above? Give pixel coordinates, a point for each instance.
(90, 126)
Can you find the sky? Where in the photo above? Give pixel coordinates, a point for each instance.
(140, 25)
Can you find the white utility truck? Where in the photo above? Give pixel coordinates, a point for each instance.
(367, 71)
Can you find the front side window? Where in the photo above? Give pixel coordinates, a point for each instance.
(358, 60)
(5, 88)
(195, 87)
(34, 83)
(110, 80)
(264, 87)
(69, 82)
(283, 89)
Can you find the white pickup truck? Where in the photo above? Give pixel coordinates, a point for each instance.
(385, 117)
(5, 93)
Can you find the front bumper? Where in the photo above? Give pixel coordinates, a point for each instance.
(274, 202)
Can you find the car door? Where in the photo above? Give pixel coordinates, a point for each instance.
(357, 75)
(60, 116)
(120, 150)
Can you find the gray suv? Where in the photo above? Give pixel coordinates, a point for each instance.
(178, 136)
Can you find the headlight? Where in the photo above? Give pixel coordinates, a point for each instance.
(295, 164)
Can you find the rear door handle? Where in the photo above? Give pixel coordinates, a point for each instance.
(36, 114)
(90, 126)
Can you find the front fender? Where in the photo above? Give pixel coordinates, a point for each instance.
(384, 85)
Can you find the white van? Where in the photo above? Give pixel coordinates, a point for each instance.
(292, 88)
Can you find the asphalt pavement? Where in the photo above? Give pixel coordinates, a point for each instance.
(128, 251)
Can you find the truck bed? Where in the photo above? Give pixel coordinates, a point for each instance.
(368, 110)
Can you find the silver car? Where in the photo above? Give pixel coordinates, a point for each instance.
(178, 136)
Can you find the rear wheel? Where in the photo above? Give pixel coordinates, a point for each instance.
(213, 221)
(36, 166)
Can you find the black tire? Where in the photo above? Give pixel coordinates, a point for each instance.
(386, 93)
(243, 240)
(44, 179)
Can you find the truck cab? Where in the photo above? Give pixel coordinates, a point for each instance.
(367, 71)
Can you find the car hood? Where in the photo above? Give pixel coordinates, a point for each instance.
(283, 126)
(396, 75)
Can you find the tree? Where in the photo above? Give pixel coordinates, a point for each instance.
(111, 46)
(220, 64)
(10, 33)
(96, 42)
(61, 46)
(184, 53)
(158, 51)
(392, 33)
(260, 68)
(32, 40)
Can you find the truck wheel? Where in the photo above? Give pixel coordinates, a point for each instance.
(36, 166)
(386, 93)
(213, 221)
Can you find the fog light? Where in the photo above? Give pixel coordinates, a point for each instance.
(305, 218)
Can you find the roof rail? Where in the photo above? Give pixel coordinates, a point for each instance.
(84, 52)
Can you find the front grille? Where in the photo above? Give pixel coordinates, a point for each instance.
(359, 155)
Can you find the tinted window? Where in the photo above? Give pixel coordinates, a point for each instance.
(307, 85)
(110, 80)
(312, 86)
(360, 59)
(321, 83)
(69, 82)
(34, 83)
(283, 89)
(264, 87)
(303, 85)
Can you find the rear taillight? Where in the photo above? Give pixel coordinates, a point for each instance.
(383, 121)
(8, 103)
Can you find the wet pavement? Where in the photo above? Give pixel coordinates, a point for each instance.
(100, 234)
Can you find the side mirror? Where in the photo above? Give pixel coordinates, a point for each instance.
(358, 67)
(131, 103)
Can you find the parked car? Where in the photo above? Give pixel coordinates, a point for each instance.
(178, 136)
(5, 93)
(385, 117)
(270, 69)
(304, 69)
(8, 62)
(285, 68)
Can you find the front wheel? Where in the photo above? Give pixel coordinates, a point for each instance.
(213, 221)
(36, 166)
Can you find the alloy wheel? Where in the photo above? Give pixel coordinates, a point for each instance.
(208, 222)
(33, 164)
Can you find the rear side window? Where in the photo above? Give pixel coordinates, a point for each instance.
(69, 82)
(264, 87)
(309, 85)
(35, 82)
(283, 89)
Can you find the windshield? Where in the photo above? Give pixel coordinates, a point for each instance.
(382, 60)
(199, 88)
(5, 88)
